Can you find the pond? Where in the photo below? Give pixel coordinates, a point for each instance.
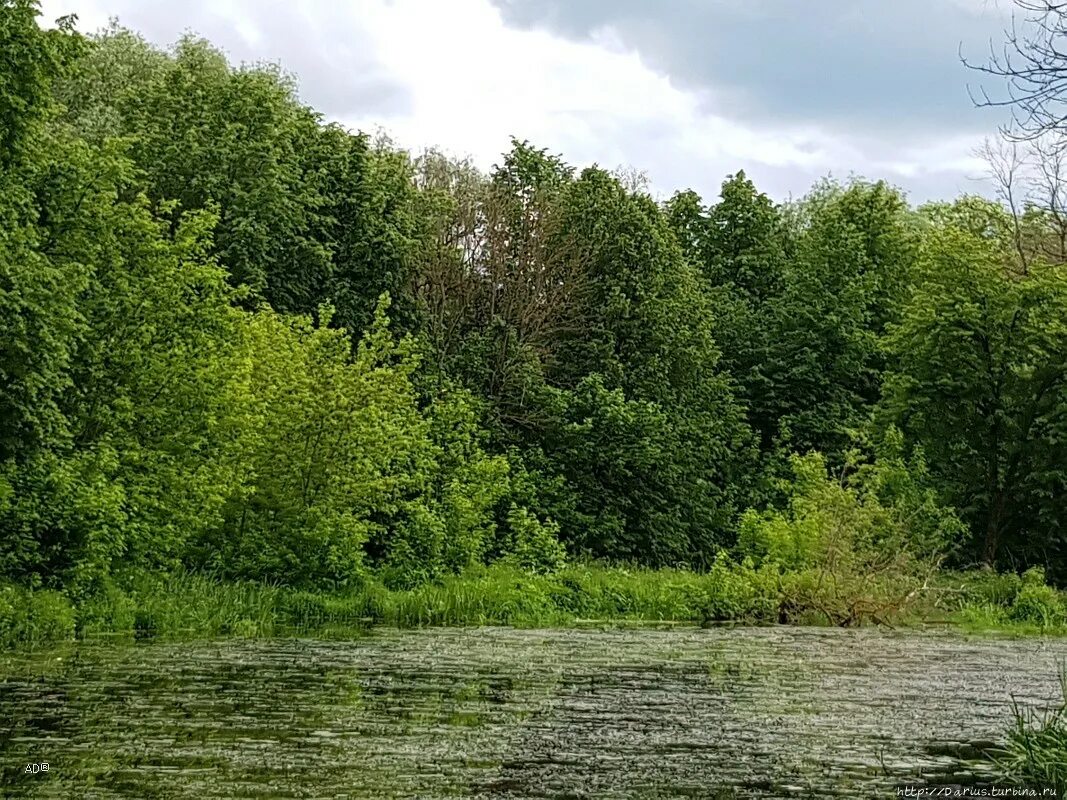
(498, 712)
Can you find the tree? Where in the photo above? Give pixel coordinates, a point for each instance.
(979, 361)
(33, 61)
(500, 280)
(646, 348)
(1029, 181)
(820, 372)
(739, 245)
(41, 273)
(565, 303)
(307, 213)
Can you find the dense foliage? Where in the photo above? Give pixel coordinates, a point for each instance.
(236, 338)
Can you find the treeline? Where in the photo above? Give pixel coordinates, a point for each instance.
(236, 338)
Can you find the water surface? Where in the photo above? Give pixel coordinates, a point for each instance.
(497, 712)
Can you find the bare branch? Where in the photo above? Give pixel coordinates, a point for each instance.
(1033, 66)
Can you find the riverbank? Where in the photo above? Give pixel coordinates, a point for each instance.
(190, 605)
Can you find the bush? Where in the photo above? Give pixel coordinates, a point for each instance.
(847, 599)
(870, 519)
(986, 587)
(740, 592)
(1039, 605)
(535, 545)
(853, 549)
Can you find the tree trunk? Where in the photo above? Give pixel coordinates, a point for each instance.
(992, 532)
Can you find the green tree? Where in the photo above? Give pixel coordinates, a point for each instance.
(40, 271)
(307, 213)
(565, 302)
(820, 373)
(645, 337)
(740, 247)
(333, 446)
(979, 362)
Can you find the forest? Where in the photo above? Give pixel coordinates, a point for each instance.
(242, 346)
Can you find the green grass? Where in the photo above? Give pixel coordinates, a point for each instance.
(505, 596)
(1036, 751)
(190, 605)
(185, 605)
(182, 604)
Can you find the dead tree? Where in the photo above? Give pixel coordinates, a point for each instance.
(1005, 164)
(1048, 197)
(1030, 181)
(501, 266)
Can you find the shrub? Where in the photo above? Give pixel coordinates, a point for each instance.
(535, 545)
(334, 444)
(1040, 605)
(871, 517)
(986, 587)
(855, 548)
(740, 592)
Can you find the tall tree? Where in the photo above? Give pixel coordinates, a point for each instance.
(821, 370)
(979, 380)
(645, 341)
(41, 272)
(740, 247)
(307, 212)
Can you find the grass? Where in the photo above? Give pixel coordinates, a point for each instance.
(1036, 752)
(32, 617)
(191, 605)
(186, 605)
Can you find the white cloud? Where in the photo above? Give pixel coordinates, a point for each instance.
(465, 81)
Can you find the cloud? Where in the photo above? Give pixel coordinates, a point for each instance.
(688, 91)
(329, 48)
(870, 64)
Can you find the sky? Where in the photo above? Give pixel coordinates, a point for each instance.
(685, 91)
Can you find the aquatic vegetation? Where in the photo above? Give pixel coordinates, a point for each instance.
(435, 713)
(1036, 750)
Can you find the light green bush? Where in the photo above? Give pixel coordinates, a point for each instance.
(1039, 605)
(854, 548)
(534, 546)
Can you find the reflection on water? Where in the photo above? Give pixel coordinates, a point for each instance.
(493, 712)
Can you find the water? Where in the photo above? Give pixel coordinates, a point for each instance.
(496, 712)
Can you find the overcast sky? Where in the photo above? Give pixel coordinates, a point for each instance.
(685, 90)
